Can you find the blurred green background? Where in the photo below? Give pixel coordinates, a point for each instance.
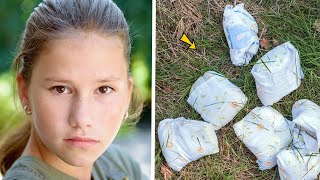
(13, 15)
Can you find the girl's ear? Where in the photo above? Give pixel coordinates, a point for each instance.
(22, 90)
(130, 89)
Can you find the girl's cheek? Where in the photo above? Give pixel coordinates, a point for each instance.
(50, 107)
(108, 114)
(110, 102)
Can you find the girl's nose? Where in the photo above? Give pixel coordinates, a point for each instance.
(80, 113)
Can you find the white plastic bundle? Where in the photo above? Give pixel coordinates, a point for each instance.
(265, 132)
(183, 141)
(306, 114)
(241, 31)
(216, 99)
(301, 160)
(277, 73)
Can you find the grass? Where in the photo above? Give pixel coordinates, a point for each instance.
(177, 68)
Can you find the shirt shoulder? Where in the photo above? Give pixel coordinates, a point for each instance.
(22, 172)
(31, 168)
(116, 163)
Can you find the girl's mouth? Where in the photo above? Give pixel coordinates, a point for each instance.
(81, 142)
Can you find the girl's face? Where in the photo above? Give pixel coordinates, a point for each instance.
(79, 92)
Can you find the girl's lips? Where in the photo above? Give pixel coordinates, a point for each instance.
(81, 142)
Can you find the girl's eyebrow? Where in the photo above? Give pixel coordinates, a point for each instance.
(57, 80)
(109, 79)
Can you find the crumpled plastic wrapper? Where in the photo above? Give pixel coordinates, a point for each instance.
(183, 141)
(216, 99)
(301, 160)
(306, 114)
(277, 73)
(241, 31)
(265, 132)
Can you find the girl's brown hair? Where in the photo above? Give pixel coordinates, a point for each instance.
(57, 19)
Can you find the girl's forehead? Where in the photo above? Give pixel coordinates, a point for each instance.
(79, 39)
(89, 55)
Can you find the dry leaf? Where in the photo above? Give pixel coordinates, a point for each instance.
(234, 104)
(264, 43)
(316, 25)
(167, 89)
(260, 126)
(180, 29)
(166, 172)
(169, 145)
(200, 150)
(275, 43)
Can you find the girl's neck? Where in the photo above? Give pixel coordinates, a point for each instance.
(36, 148)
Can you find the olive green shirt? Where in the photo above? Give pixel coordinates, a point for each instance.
(112, 164)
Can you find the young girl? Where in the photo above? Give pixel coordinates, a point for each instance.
(73, 79)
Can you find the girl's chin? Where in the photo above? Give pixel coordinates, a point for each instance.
(78, 159)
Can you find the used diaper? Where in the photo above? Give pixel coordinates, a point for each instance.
(301, 160)
(277, 73)
(241, 31)
(216, 99)
(183, 141)
(306, 114)
(265, 132)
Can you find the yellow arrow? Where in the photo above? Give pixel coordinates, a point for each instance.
(185, 39)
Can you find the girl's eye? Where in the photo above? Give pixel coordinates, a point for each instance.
(60, 89)
(105, 89)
